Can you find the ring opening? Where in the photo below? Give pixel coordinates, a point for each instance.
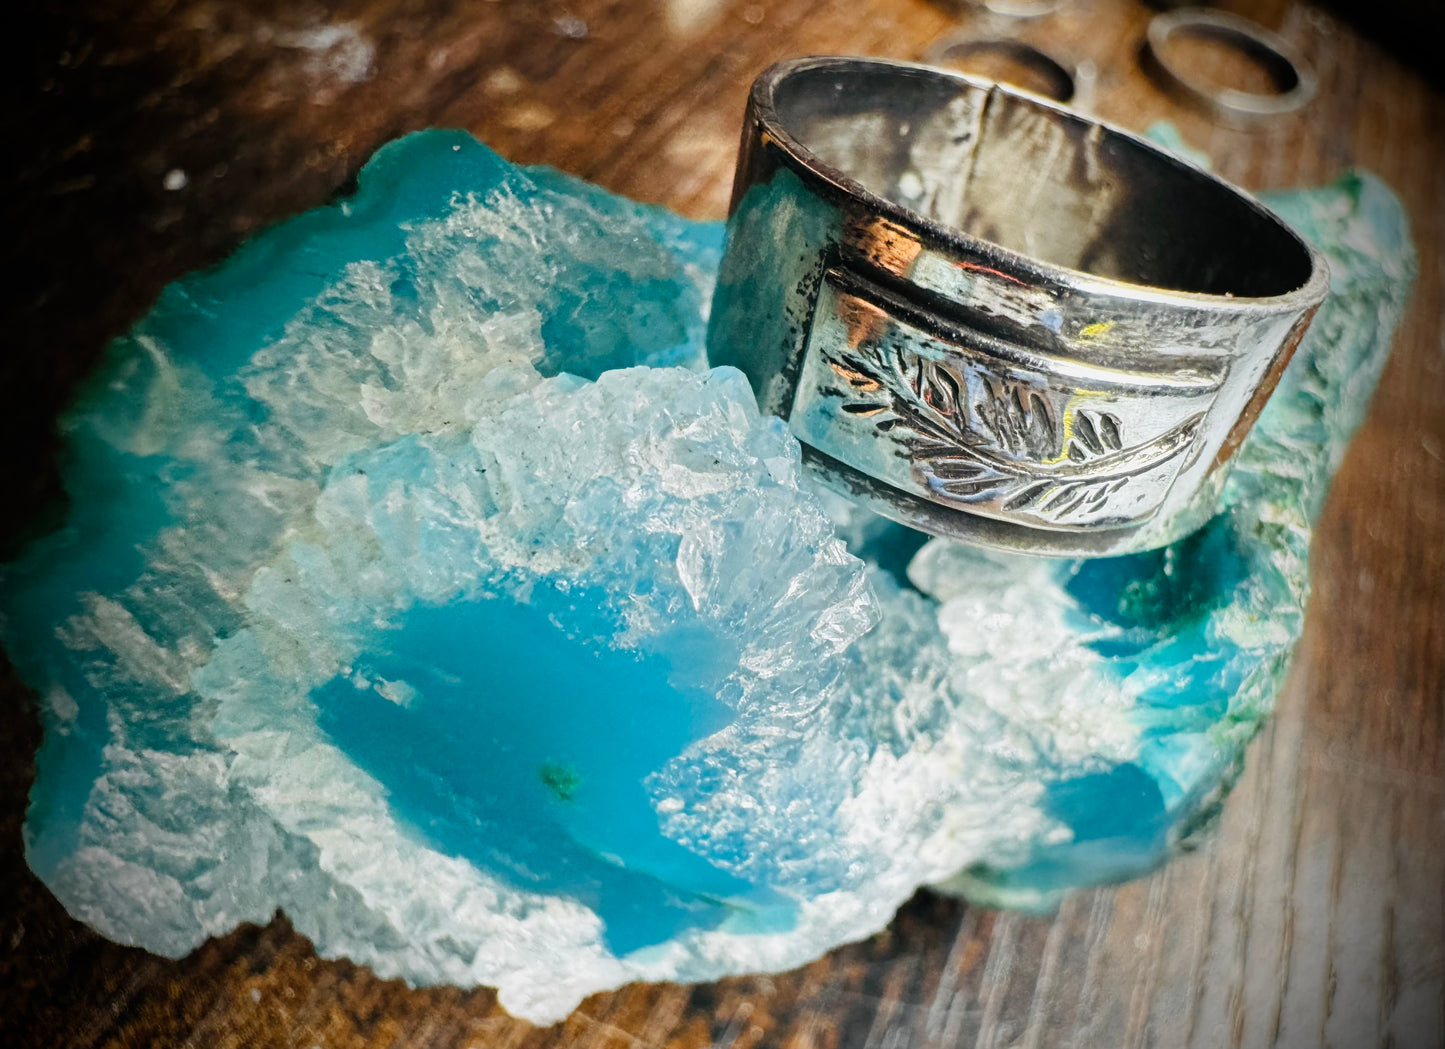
(1037, 180)
(1006, 61)
(1217, 57)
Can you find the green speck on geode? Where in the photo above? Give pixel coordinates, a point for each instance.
(561, 780)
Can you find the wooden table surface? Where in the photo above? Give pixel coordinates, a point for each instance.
(1312, 918)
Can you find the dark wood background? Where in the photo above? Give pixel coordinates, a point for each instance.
(1314, 915)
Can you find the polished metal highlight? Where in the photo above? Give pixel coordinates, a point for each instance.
(1291, 73)
(990, 317)
(1021, 9)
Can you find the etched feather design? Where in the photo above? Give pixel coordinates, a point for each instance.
(1002, 440)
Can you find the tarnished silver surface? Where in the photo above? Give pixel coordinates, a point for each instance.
(1291, 73)
(990, 317)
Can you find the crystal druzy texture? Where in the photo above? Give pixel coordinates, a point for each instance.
(418, 579)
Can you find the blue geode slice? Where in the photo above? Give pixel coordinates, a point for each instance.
(420, 580)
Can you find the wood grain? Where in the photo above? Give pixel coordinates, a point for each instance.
(1313, 916)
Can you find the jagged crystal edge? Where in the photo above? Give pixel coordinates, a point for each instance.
(308, 473)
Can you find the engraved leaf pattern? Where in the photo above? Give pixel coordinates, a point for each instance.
(1008, 442)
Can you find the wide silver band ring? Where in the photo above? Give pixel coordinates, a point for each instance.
(1296, 81)
(989, 317)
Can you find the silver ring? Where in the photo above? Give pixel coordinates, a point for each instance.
(1019, 8)
(989, 317)
(1291, 73)
(1062, 84)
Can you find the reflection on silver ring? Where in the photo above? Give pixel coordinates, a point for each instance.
(1062, 84)
(991, 317)
(1019, 8)
(1295, 79)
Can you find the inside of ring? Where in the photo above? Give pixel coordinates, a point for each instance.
(1047, 183)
